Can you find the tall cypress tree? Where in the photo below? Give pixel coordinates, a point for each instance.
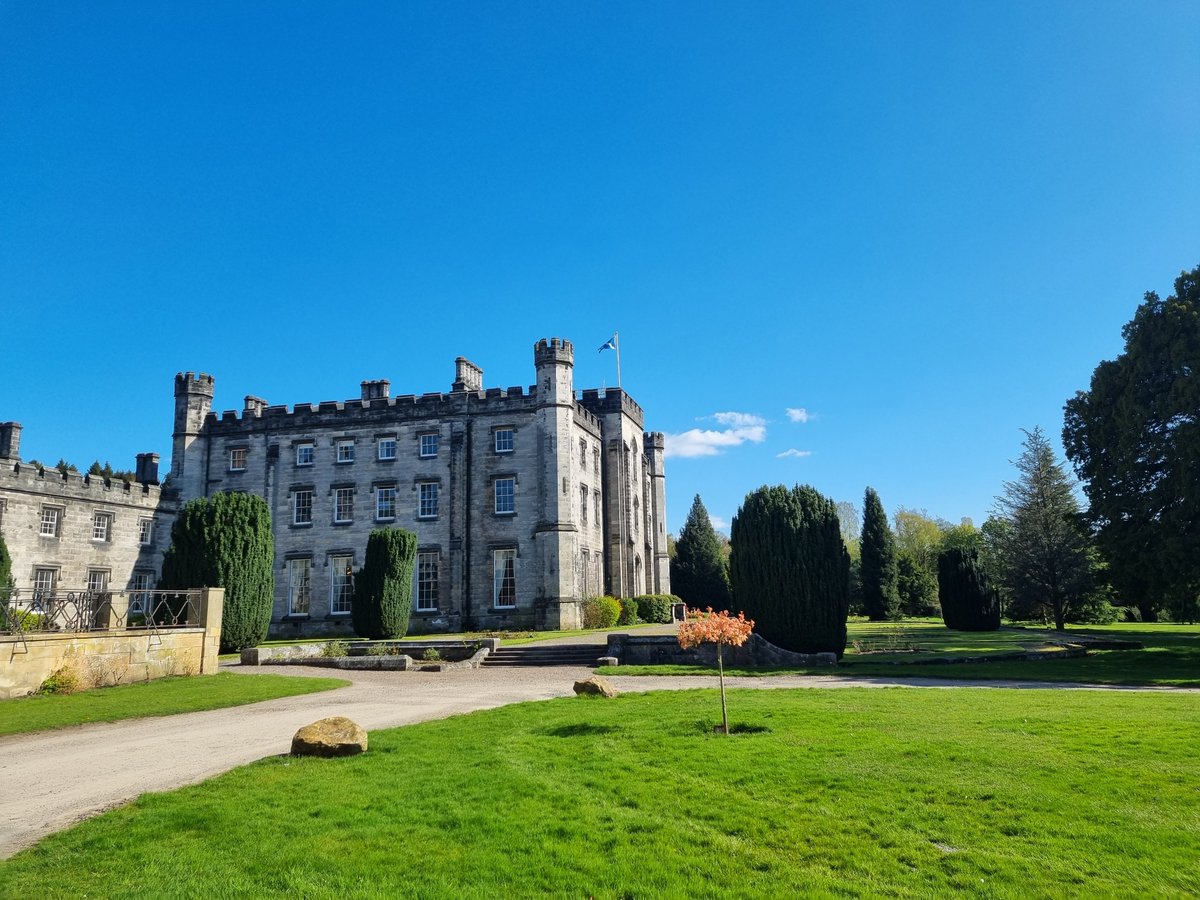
(699, 570)
(382, 603)
(225, 541)
(881, 595)
(969, 602)
(790, 570)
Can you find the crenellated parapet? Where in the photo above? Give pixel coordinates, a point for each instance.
(549, 351)
(612, 400)
(51, 483)
(193, 383)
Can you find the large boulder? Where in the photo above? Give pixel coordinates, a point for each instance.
(335, 736)
(595, 687)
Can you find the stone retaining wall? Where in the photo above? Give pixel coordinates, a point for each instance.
(637, 650)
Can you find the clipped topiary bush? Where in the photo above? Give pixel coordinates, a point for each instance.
(969, 603)
(629, 611)
(790, 569)
(601, 612)
(382, 603)
(225, 541)
(656, 607)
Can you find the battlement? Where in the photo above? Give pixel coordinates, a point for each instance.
(193, 383)
(654, 440)
(612, 400)
(549, 351)
(51, 484)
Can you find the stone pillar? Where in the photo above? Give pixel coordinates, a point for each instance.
(212, 605)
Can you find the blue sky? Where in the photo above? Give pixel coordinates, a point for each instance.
(920, 224)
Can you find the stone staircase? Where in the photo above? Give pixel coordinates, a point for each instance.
(536, 655)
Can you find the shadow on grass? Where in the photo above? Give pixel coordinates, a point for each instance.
(580, 729)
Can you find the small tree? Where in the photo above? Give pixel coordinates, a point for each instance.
(382, 603)
(881, 595)
(700, 570)
(969, 603)
(5, 570)
(721, 629)
(225, 541)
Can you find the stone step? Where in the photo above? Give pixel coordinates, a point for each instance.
(562, 655)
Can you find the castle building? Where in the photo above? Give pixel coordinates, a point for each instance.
(71, 532)
(524, 500)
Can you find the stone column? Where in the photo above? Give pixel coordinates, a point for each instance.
(212, 605)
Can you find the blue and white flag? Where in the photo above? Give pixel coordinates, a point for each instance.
(610, 344)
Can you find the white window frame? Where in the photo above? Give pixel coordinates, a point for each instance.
(52, 517)
(45, 581)
(237, 459)
(345, 452)
(341, 586)
(343, 502)
(427, 499)
(140, 586)
(505, 496)
(145, 531)
(97, 580)
(428, 571)
(297, 507)
(504, 440)
(102, 523)
(386, 448)
(504, 578)
(306, 454)
(299, 596)
(428, 444)
(385, 498)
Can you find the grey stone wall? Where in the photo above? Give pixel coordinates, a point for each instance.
(633, 649)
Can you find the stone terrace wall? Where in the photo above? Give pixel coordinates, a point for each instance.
(639, 650)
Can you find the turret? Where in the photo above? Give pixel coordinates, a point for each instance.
(193, 402)
(554, 359)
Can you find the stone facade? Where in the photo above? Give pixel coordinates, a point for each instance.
(524, 499)
(71, 531)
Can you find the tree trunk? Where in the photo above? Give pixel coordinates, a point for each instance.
(724, 708)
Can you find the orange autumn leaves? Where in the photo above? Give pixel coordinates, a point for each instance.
(710, 627)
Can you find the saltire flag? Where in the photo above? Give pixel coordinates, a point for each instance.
(610, 344)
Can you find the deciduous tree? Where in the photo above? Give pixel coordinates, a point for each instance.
(721, 629)
(1134, 439)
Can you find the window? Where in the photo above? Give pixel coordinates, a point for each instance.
(583, 452)
(299, 586)
(305, 454)
(237, 459)
(97, 581)
(341, 584)
(585, 566)
(504, 572)
(429, 445)
(596, 460)
(427, 507)
(504, 440)
(343, 504)
(385, 502)
(427, 581)
(145, 531)
(101, 526)
(345, 451)
(637, 516)
(505, 500)
(583, 503)
(49, 524)
(596, 504)
(139, 592)
(44, 581)
(386, 448)
(302, 508)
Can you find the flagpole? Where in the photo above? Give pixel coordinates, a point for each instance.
(617, 341)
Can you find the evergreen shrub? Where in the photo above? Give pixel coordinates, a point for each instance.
(629, 611)
(656, 607)
(790, 569)
(601, 612)
(382, 602)
(5, 570)
(225, 541)
(969, 602)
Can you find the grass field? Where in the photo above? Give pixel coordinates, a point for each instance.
(1171, 656)
(163, 697)
(850, 793)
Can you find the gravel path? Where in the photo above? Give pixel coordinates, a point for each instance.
(56, 778)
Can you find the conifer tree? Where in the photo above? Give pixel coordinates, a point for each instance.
(969, 602)
(700, 571)
(5, 570)
(790, 570)
(225, 541)
(881, 596)
(382, 603)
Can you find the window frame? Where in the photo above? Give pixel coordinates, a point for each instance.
(145, 531)
(432, 437)
(387, 441)
(141, 583)
(42, 589)
(340, 493)
(428, 498)
(299, 589)
(510, 495)
(504, 581)
(382, 491)
(510, 440)
(308, 493)
(345, 452)
(102, 527)
(54, 515)
(311, 447)
(341, 587)
(238, 455)
(427, 584)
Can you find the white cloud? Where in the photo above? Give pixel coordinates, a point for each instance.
(711, 442)
(797, 454)
(797, 414)
(719, 524)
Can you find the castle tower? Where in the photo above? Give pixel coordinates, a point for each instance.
(555, 535)
(193, 401)
(659, 574)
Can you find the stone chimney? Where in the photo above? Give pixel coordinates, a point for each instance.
(467, 376)
(380, 389)
(10, 441)
(146, 471)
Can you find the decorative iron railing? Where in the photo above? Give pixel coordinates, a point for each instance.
(39, 612)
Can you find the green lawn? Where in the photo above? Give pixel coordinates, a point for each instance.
(849, 793)
(163, 697)
(1171, 656)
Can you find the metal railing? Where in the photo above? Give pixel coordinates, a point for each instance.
(39, 612)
